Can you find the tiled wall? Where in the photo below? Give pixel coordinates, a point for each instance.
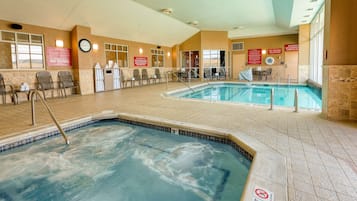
(340, 92)
(303, 73)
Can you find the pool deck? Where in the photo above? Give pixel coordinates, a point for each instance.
(320, 155)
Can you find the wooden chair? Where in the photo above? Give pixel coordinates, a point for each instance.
(65, 81)
(45, 82)
(6, 89)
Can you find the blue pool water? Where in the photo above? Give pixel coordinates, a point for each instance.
(256, 94)
(110, 160)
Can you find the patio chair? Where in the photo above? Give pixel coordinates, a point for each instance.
(222, 73)
(157, 74)
(267, 73)
(136, 76)
(65, 81)
(145, 76)
(44, 82)
(6, 89)
(207, 73)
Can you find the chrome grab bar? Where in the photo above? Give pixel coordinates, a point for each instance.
(44, 103)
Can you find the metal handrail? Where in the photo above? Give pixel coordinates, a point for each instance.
(44, 103)
(184, 83)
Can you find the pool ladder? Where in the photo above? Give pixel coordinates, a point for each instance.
(296, 100)
(44, 103)
(183, 82)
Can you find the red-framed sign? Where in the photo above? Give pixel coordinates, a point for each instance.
(292, 47)
(56, 56)
(140, 61)
(275, 51)
(255, 56)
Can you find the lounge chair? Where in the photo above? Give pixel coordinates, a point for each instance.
(65, 80)
(45, 82)
(136, 76)
(6, 89)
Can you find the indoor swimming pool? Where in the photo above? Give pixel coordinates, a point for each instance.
(112, 160)
(308, 98)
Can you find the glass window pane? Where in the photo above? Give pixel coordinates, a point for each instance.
(23, 37)
(114, 47)
(24, 61)
(125, 48)
(36, 39)
(107, 46)
(36, 61)
(8, 36)
(23, 48)
(36, 49)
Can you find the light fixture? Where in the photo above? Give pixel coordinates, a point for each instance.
(59, 43)
(167, 11)
(306, 15)
(140, 50)
(168, 54)
(194, 23)
(95, 46)
(310, 9)
(264, 51)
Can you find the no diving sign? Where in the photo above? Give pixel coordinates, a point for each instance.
(262, 194)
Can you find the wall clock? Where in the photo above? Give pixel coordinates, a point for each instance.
(85, 45)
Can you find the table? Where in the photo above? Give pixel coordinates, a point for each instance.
(18, 91)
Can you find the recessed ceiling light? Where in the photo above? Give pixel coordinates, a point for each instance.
(303, 21)
(306, 15)
(167, 11)
(310, 9)
(194, 23)
(238, 27)
(313, 0)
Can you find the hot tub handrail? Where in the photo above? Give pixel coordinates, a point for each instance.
(44, 103)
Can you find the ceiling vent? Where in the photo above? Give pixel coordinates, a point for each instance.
(239, 46)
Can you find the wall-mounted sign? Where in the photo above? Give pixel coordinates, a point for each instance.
(292, 47)
(57, 56)
(275, 51)
(140, 61)
(255, 56)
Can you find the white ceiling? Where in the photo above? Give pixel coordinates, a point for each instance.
(142, 20)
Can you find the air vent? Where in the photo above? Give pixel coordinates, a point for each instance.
(238, 46)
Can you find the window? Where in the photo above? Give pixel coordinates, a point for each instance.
(213, 58)
(116, 53)
(21, 50)
(157, 58)
(316, 46)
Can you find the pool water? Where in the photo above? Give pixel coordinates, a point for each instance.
(110, 160)
(256, 94)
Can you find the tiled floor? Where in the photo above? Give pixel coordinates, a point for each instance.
(321, 155)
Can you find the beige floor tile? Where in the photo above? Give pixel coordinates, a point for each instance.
(314, 147)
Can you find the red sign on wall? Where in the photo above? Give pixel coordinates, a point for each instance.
(140, 61)
(275, 51)
(56, 56)
(255, 56)
(292, 47)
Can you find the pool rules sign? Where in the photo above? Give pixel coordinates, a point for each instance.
(261, 194)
